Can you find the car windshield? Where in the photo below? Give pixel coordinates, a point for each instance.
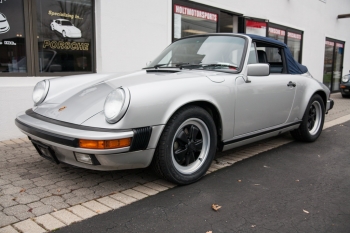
(67, 23)
(203, 52)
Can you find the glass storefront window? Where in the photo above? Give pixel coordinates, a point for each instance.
(277, 34)
(256, 27)
(294, 44)
(64, 35)
(12, 37)
(228, 22)
(189, 21)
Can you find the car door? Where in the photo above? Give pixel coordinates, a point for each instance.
(265, 101)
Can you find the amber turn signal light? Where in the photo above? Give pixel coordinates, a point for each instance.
(342, 86)
(104, 144)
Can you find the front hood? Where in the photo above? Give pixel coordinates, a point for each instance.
(78, 104)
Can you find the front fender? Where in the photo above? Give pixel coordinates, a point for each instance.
(154, 103)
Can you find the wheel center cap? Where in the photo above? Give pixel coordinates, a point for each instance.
(192, 146)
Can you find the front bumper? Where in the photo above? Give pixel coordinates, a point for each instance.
(345, 88)
(63, 141)
(330, 104)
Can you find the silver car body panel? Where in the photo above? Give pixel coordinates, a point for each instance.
(250, 108)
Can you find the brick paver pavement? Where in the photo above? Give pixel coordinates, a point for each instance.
(36, 192)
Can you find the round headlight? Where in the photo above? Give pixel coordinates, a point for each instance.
(345, 78)
(40, 91)
(116, 104)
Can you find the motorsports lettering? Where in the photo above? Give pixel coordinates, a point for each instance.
(66, 45)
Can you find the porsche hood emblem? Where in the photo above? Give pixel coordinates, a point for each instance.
(62, 108)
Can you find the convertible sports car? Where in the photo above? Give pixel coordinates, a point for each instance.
(4, 25)
(66, 28)
(202, 94)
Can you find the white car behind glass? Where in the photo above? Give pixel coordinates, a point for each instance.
(4, 25)
(66, 28)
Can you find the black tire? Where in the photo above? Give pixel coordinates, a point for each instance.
(345, 96)
(186, 147)
(312, 123)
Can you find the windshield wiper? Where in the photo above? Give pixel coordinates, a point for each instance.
(229, 65)
(161, 65)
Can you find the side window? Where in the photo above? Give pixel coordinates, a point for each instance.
(272, 56)
(252, 55)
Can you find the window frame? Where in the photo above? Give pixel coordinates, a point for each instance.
(288, 29)
(31, 42)
(201, 7)
(283, 56)
(333, 61)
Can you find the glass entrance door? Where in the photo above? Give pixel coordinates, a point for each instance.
(338, 65)
(333, 63)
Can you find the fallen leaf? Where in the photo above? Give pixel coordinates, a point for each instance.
(58, 190)
(297, 180)
(253, 225)
(55, 210)
(305, 211)
(30, 210)
(97, 211)
(209, 232)
(215, 207)
(22, 190)
(239, 180)
(14, 199)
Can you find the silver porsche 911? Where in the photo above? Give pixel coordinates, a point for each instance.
(202, 94)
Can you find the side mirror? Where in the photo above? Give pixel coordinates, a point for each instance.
(259, 69)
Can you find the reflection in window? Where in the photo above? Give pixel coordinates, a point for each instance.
(65, 35)
(294, 44)
(328, 63)
(188, 21)
(228, 23)
(338, 63)
(12, 37)
(255, 27)
(277, 34)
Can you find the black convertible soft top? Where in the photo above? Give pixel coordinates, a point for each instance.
(293, 66)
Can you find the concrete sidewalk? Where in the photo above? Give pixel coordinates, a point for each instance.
(39, 196)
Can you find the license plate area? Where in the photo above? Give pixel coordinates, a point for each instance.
(45, 151)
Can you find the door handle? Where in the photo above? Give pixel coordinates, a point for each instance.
(291, 84)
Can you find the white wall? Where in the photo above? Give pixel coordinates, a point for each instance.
(131, 33)
(15, 96)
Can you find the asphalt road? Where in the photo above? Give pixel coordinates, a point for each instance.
(298, 187)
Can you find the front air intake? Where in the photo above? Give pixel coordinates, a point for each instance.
(141, 138)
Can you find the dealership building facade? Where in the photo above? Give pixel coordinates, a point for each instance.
(44, 39)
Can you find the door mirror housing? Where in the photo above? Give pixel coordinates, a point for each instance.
(259, 69)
